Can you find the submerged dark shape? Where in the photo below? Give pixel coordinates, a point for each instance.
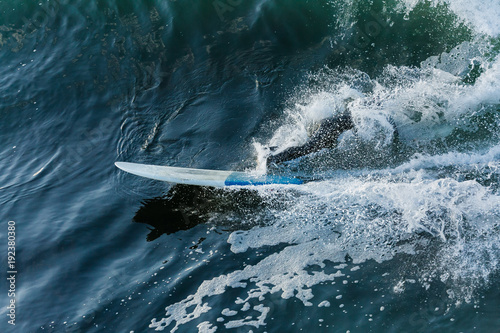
(185, 206)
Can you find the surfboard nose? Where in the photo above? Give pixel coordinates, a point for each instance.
(202, 177)
(121, 165)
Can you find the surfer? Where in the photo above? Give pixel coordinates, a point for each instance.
(325, 137)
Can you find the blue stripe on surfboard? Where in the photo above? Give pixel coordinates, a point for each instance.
(243, 180)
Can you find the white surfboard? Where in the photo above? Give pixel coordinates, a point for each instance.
(203, 177)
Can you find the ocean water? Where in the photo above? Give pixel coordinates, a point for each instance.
(397, 230)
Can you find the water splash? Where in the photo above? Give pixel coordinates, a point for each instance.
(436, 202)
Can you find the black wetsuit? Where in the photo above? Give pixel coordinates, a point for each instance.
(325, 137)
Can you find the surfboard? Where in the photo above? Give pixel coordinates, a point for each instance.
(203, 177)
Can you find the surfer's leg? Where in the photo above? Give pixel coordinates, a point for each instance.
(329, 131)
(289, 154)
(325, 137)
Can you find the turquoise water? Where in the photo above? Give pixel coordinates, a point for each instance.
(396, 232)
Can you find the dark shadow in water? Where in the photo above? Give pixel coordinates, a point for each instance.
(185, 207)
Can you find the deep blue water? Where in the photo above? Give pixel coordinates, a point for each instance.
(397, 232)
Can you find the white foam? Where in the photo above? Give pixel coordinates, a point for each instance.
(206, 327)
(324, 304)
(260, 321)
(475, 160)
(229, 313)
(482, 15)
